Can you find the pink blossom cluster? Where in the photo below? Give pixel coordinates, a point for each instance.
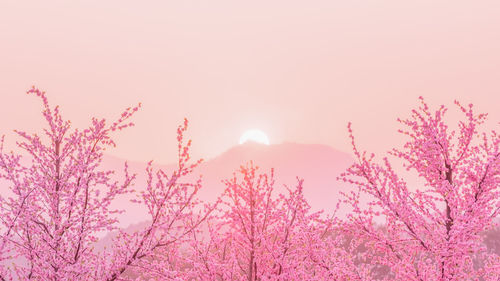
(432, 232)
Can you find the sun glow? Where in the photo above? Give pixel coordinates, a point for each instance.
(254, 135)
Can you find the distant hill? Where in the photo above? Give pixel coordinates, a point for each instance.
(318, 165)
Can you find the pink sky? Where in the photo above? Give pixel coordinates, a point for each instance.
(298, 70)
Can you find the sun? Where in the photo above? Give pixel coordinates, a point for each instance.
(254, 135)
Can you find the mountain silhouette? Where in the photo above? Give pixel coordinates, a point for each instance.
(319, 166)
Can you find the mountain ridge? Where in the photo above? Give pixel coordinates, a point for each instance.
(318, 164)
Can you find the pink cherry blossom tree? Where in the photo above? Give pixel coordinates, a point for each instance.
(175, 213)
(432, 231)
(62, 198)
(260, 236)
(60, 201)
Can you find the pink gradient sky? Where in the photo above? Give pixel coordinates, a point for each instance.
(298, 70)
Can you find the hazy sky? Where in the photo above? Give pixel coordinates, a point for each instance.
(298, 70)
